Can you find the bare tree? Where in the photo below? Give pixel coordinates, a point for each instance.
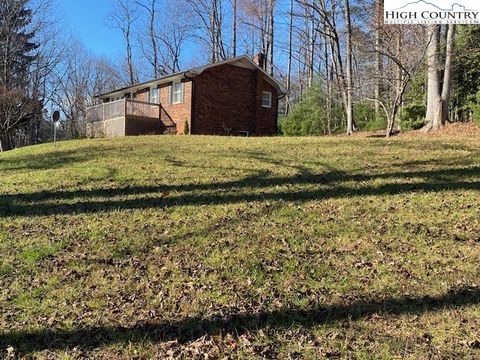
(259, 17)
(123, 18)
(47, 26)
(150, 51)
(309, 40)
(397, 40)
(339, 43)
(167, 30)
(209, 14)
(173, 31)
(80, 77)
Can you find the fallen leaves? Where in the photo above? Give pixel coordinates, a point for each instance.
(260, 254)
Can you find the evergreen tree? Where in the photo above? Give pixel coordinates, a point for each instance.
(309, 117)
(17, 109)
(466, 74)
(16, 44)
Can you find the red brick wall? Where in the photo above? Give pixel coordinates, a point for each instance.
(142, 95)
(228, 100)
(179, 113)
(266, 119)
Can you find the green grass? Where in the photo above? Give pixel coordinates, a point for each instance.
(241, 247)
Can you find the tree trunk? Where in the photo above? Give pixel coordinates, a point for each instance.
(289, 71)
(234, 28)
(153, 40)
(271, 34)
(328, 85)
(399, 80)
(378, 58)
(349, 82)
(433, 118)
(447, 77)
(213, 33)
(390, 125)
(312, 46)
(128, 43)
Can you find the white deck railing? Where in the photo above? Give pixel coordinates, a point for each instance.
(121, 108)
(143, 109)
(106, 111)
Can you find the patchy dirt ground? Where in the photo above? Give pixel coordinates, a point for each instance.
(454, 130)
(457, 130)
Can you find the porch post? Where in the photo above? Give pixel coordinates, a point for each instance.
(124, 116)
(103, 119)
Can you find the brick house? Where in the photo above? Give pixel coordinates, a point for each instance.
(232, 97)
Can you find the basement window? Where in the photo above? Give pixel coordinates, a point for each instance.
(267, 99)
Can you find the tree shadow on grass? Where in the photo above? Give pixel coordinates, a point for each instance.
(54, 160)
(259, 187)
(190, 329)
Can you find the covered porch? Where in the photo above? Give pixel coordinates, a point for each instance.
(128, 117)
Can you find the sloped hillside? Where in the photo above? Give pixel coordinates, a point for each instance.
(241, 247)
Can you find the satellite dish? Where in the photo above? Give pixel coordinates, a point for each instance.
(56, 116)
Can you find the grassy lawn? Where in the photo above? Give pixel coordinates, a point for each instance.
(241, 248)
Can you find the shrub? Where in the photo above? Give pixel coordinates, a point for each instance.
(186, 128)
(306, 117)
(364, 115)
(475, 106)
(309, 116)
(412, 116)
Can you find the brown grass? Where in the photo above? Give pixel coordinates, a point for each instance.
(196, 247)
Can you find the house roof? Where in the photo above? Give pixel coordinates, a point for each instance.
(242, 61)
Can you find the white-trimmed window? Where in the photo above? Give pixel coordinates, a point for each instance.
(176, 93)
(154, 96)
(266, 99)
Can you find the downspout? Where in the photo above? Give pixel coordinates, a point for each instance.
(282, 95)
(192, 101)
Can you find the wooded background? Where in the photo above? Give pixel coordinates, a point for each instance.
(344, 69)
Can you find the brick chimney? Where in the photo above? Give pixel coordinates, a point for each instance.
(259, 59)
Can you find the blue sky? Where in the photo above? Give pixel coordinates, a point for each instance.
(87, 19)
